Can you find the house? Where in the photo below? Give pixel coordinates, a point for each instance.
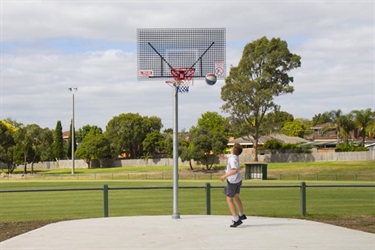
(247, 142)
(325, 132)
(66, 135)
(371, 147)
(325, 138)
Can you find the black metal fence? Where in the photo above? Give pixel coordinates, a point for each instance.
(301, 186)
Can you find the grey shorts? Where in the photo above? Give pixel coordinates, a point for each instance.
(231, 189)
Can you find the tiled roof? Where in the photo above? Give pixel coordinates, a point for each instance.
(248, 140)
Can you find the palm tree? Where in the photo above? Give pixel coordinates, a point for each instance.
(335, 116)
(363, 118)
(347, 125)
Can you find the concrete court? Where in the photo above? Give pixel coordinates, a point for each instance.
(190, 232)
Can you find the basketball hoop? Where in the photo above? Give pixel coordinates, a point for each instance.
(183, 79)
(197, 52)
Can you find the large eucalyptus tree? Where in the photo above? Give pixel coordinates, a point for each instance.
(250, 88)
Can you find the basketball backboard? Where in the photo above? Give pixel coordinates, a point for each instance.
(162, 49)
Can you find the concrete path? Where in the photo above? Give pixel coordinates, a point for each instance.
(190, 232)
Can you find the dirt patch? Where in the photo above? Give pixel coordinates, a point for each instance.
(361, 223)
(11, 229)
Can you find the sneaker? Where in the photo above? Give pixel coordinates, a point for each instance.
(236, 223)
(243, 217)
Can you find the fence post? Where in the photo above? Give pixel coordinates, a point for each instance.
(105, 199)
(208, 198)
(303, 199)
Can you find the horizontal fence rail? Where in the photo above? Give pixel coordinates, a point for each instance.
(302, 186)
(189, 176)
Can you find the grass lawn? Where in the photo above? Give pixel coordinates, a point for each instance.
(280, 202)
(344, 171)
(352, 207)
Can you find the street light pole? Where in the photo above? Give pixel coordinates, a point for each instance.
(73, 90)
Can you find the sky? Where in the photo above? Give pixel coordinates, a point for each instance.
(49, 46)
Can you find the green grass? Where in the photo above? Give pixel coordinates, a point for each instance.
(323, 204)
(309, 171)
(326, 171)
(350, 167)
(343, 167)
(279, 202)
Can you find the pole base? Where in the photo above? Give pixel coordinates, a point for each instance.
(176, 216)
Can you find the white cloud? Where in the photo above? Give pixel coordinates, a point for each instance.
(49, 46)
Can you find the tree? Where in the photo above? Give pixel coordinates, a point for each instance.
(100, 148)
(44, 145)
(7, 144)
(363, 119)
(167, 143)
(208, 139)
(185, 150)
(321, 119)
(69, 153)
(206, 145)
(215, 123)
(347, 125)
(261, 74)
(95, 146)
(83, 152)
(128, 131)
(58, 142)
(29, 144)
(335, 116)
(153, 144)
(41, 144)
(274, 121)
(12, 124)
(82, 132)
(299, 127)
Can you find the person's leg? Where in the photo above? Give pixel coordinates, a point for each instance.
(236, 219)
(231, 205)
(230, 192)
(238, 203)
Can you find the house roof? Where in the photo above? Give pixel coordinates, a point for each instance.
(66, 134)
(248, 140)
(323, 125)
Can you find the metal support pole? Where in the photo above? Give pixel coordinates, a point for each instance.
(105, 200)
(208, 198)
(303, 199)
(176, 214)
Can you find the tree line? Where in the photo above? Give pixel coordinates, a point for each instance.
(248, 94)
(134, 136)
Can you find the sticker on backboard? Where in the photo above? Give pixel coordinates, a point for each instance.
(146, 73)
(219, 68)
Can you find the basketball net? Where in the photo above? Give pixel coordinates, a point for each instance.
(183, 79)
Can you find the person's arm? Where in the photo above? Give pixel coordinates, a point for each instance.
(229, 173)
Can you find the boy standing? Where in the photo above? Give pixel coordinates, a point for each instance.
(234, 182)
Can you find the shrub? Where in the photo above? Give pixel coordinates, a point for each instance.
(349, 147)
(276, 147)
(273, 144)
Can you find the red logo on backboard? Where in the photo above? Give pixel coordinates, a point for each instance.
(219, 68)
(146, 73)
